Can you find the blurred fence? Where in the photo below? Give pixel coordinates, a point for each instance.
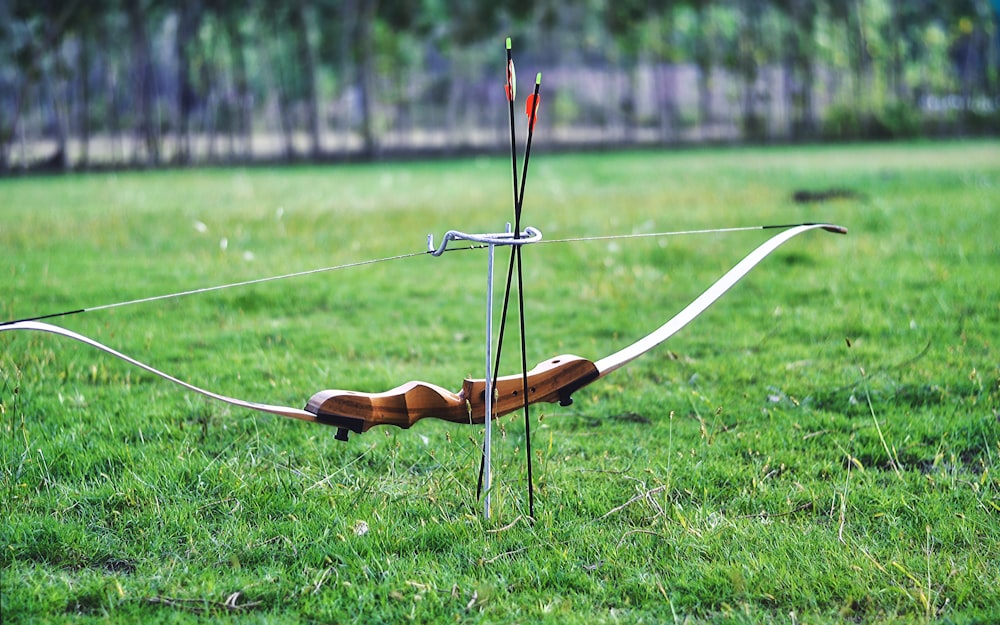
(148, 84)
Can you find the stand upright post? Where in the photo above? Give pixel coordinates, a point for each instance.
(488, 432)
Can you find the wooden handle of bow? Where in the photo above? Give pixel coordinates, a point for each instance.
(551, 381)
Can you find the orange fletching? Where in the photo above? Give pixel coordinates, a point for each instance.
(531, 109)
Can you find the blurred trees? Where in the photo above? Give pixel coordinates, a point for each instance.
(148, 82)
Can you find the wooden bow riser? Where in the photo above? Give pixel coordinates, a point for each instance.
(551, 381)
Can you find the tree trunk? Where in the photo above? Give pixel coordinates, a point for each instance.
(665, 87)
(143, 82)
(704, 60)
(754, 124)
(244, 104)
(84, 107)
(188, 23)
(365, 46)
(860, 62)
(897, 81)
(114, 112)
(992, 81)
(799, 51)
(307, 62)
(8, 128)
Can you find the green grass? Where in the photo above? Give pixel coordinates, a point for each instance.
(821, 446)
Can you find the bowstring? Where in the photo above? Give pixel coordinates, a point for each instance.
(373, 261)
(671, 233)
(233, 285)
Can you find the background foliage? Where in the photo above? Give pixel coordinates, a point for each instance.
(147, 82)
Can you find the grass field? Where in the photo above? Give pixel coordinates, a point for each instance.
(821, 446)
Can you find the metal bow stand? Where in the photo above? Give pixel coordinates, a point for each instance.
(491, 241)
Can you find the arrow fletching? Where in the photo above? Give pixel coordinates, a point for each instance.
(531, 104)
(511, 86)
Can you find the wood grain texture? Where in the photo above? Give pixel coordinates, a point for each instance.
(551, 381)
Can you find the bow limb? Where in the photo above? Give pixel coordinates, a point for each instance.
(624, 356)
(283, 411)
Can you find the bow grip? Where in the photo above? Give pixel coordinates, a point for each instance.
(351, 411)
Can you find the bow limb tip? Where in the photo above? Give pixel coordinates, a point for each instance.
(834, 228)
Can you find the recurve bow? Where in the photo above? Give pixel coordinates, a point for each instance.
(554, 380)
